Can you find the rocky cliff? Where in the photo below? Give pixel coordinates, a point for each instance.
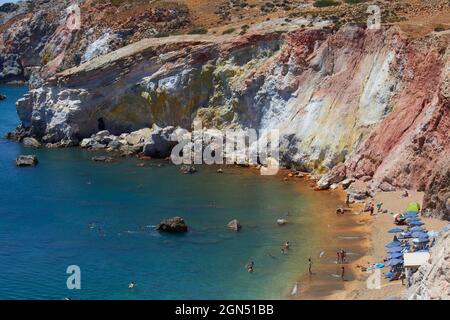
(374, 101)
(432, 280)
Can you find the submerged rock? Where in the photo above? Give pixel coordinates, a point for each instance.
(2, 97)
(103, 159)
(31, 143)
(172, 225)
(234, 225)
(186, 169)
(26, 161)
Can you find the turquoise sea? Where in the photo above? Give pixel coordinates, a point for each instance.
(72, 211)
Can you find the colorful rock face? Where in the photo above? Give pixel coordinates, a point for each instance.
(374, 100)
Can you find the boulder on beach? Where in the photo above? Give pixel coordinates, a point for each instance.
(172, 225)
(358, 190)
(159, 144)
(31, 142)
(234, 225)
(323, 183)
(103, 159)
(347, 182)
(87, 143)
(26, 161)
(138, 137)
(386, 187)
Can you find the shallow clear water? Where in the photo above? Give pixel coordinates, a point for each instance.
(45, 213)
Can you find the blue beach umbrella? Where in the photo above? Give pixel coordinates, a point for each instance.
(395, 262)
(411, 215)
(416, 223)
(417, 228)
(394, 249)
(393, 244)
(412, 219)
(396, 230)
(395, 255)
(419, 234)
(420, 240)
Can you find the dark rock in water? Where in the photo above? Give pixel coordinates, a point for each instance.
(186, 169)
(234, 225)
(31, 142)
(173, 225)
(2, 97)
(103, 159)
(19, 134)
(26, 161)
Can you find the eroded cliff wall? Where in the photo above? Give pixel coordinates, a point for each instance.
(375, 100)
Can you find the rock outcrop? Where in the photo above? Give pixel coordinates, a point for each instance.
(432, 280)
(26, 161)
(234, 225)
(173, 225)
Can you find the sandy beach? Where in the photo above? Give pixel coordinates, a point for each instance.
(363, 237)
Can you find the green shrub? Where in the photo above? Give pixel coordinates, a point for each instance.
(440, 28)
(162, 35)
(198, 31)
(325, 3)
(354, 1)
(228, 31)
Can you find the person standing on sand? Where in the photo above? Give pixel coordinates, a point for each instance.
(347, 200)
(310, 266)
(343, 256)
(342, 272)
(338, 257)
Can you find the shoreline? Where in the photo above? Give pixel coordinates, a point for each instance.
(359, 234)
(368, 238)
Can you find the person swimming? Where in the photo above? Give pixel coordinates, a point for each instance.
(287, 245)
(131, 285)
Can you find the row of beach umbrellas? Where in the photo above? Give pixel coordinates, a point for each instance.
(420, 235)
